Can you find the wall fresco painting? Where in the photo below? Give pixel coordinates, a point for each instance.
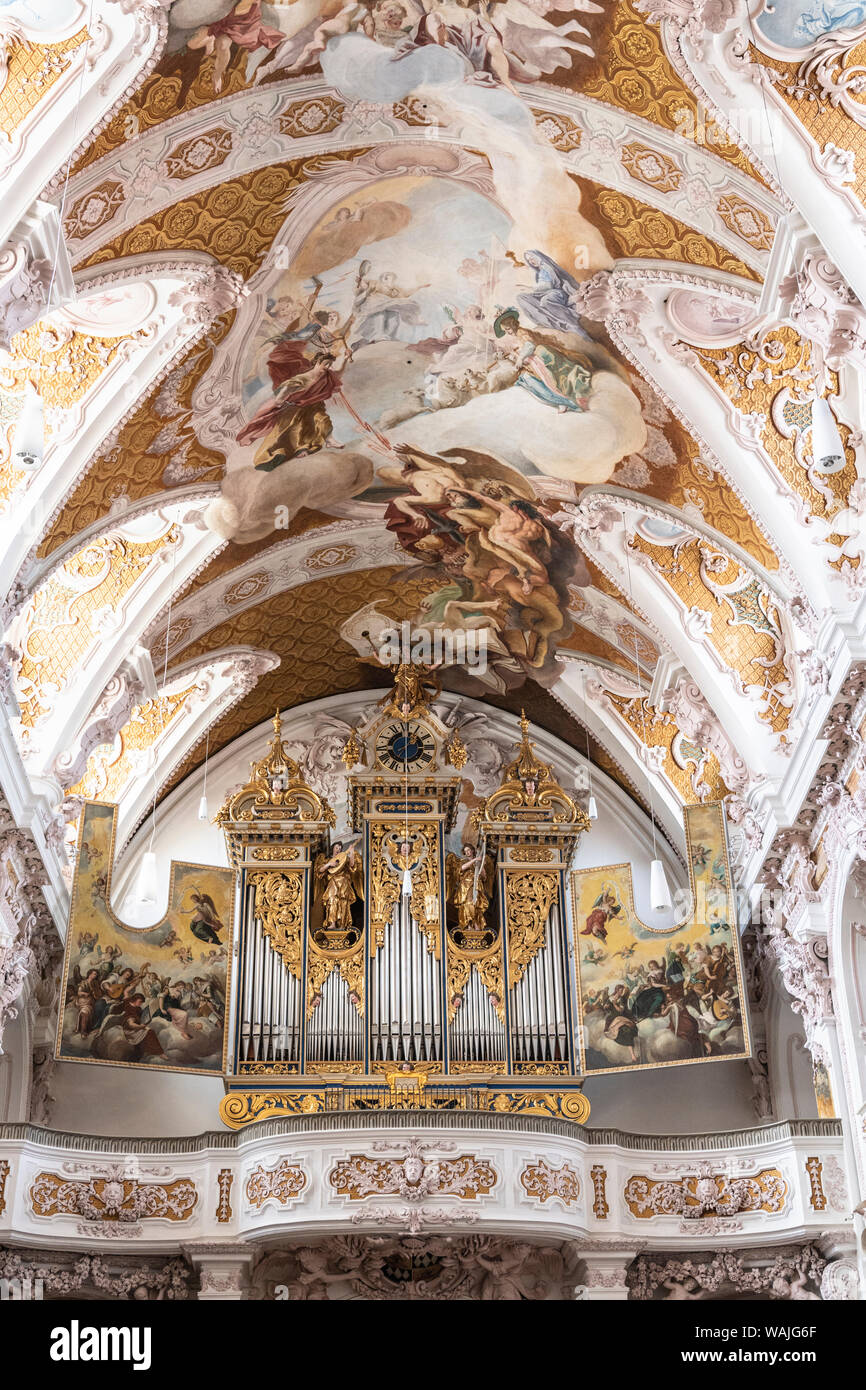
(650, 998)
(153, 997)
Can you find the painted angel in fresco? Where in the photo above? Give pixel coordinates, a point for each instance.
(469, 886)
(386, 22)
(504, 556)
(506, 41)
(503, 42)
(606, 905)
(243, 27)
(346, 232)
(341, 877)
(205, 924)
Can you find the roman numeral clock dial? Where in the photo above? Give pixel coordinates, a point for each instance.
(405, 745)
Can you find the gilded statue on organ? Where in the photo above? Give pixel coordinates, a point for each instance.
(343, 878)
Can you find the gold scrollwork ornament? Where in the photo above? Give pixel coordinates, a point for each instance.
(529, 898)
(279, 907)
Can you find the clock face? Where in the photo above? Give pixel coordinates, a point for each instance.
(401, 746)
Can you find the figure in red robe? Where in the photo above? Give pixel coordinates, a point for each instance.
(295, 423)
(242, 26)
(604, 907)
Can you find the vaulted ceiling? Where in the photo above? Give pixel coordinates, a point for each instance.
(505, 316)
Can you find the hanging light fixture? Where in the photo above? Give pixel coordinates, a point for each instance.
(145, 892)
(591, 806)
(828, 451)
(202, 805)
(406, 888)
(28, 438)
(660, 893)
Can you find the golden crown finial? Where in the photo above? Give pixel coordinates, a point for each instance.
(278, 726)
(524, 723)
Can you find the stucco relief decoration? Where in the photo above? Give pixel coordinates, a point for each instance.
(312, 116)
(706, 1194)
(94, 210)
(112, 1198)
(416, 1176)
(817, 1199)
(600, 1205)
(816, 58)
(545, 1182)
(748, 222)
(418, 1269)
(690, 19)
(65, 1274)
(225, 1180)
(793, 1274)
(282, 1184)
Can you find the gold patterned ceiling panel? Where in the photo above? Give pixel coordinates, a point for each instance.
(822, 114)
(31, 71)
(744, 622)
(691, 771)
(163, 95)
(63, 617)
(302, 626)
(234, 221)
(111, 766)
(159, 437)
(634, 228)
(775, 380)
(632, 71)
(62, 362)
(671, 470)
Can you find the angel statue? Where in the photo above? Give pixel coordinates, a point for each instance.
(205, 923)
(414, 687)
(469, 886)
(343, 878)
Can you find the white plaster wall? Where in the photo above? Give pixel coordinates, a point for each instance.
(92, 1099)
(790, 1063)
(15, 1065)
(673, 1100)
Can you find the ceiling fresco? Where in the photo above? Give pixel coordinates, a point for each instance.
(482, 314)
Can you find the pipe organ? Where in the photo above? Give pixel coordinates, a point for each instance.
(391, 966)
